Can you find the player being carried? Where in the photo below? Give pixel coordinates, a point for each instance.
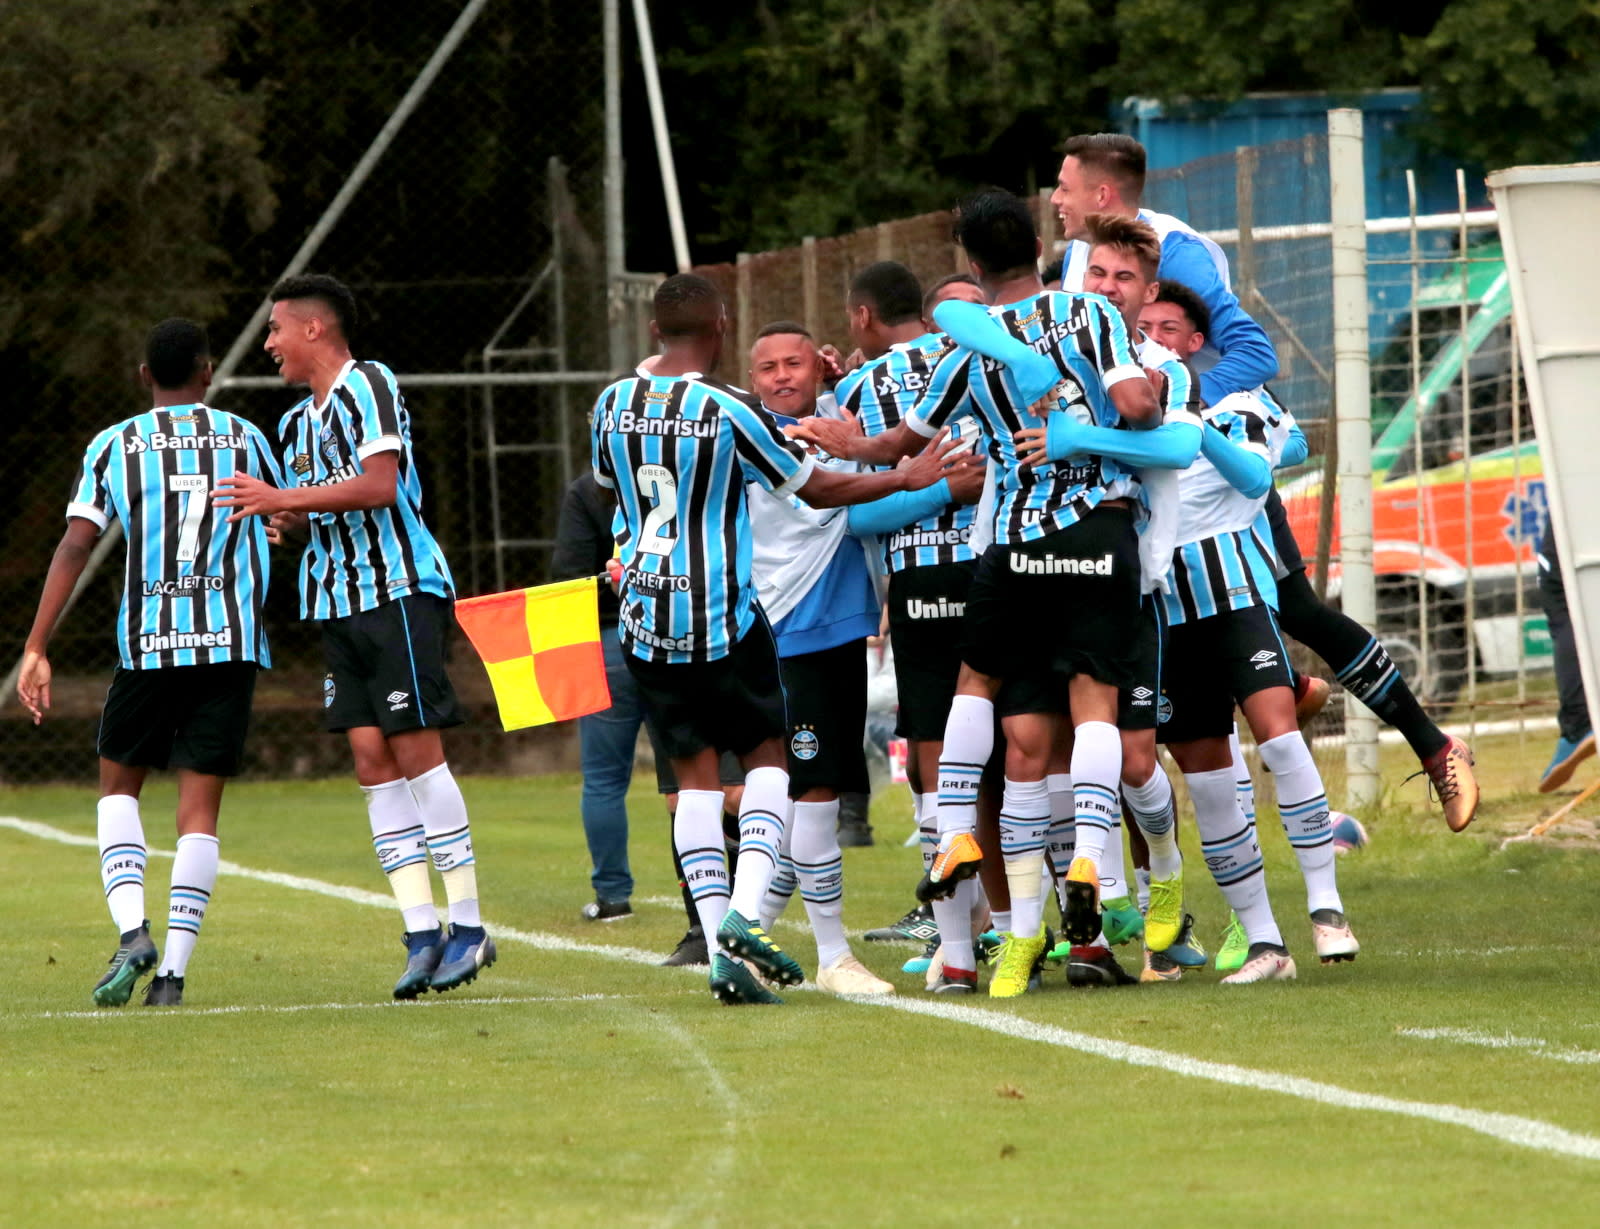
(378, 586)
(678, 447)
(1058, 591)
(189, 637)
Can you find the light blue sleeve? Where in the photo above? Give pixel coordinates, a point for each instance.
(1296, 449)
(971, 325)
(899, 510)
(1248, 472)
(1248, 359)
(1172, 445)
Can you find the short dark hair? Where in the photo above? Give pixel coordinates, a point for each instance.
(687, 305)
(996, 229)
(1114, 156)
(175, 350)
(891, 289)
(930, 299)
(1188, 302)
(1128, 235)
(329, 291)
(785, 328)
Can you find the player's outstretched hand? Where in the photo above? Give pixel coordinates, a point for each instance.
(966, 481)
(832, 365)
(1033, 445)
(284, 528)
(247, 496)
(33, 684)
(837, 437)
(943, 457)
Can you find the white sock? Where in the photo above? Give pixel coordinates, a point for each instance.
(401, 844)
(1228, 843)
(1061, 837)
(1114, 863)
(1096, 769)
(1024, 817)
(1000, 919)
(1154, 810)
(1241, 776)
(697, 836)
(925, 808)
(954, 917)
(122, 859)
(1303, 807)
(761, 824)
(819, 863)
(968, 744)
(194, 875)
(444, 815)
(784, 880)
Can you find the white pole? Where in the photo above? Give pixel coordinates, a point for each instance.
(658, 122)
(616, 258)
(1353, 417)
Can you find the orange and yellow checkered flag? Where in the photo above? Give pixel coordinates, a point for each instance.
(541, 648)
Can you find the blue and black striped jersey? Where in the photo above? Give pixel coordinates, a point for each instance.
(1089, 343)
(359, 560)
(880, 394)
(678, 451)
(193, 584)
(1225, 559)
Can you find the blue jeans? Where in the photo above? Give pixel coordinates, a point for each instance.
(607, 741)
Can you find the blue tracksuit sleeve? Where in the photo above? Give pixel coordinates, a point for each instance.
(1172, 445)
(899, 510)
(1248, 359)
(1248, 472)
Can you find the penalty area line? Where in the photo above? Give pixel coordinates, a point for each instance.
(1507, 1128)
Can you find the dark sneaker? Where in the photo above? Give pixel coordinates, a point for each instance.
(164, 990)
(1096, 966)
(734, 984)
(956, 859)
(954, 982)
(423, 952)
(742, 937)
(1187, 950)
(917, 926)
(607, 910)
(468, 949)
(691, 950)
(135, 956)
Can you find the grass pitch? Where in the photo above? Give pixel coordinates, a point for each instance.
(1451, 1075)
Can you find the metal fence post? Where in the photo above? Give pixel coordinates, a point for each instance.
(1353, 415)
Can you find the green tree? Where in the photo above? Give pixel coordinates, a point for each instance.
(1510, 81)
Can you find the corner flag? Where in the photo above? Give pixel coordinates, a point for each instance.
(541, 648)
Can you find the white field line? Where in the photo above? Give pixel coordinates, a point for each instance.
(265, 1009)
(1508, 1128)
(691, 1207)
(1536, 1046)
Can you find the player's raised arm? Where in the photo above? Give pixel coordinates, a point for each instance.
(942, 458)
(843, 438)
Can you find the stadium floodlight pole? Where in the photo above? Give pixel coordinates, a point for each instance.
(325, 224)
(1353, 420)
(658, 122)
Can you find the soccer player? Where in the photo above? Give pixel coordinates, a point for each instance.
(678, 447)
(814, 585)
(189, 637)
(927, 554)
(1064, 540)
(379, 588)
(1225, 648)
(1104, 172)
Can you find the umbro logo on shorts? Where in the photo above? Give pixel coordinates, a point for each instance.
(1264, 659)
(1142, 696)
(398, 700)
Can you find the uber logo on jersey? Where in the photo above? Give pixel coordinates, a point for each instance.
(805, 744)
(1264, 659)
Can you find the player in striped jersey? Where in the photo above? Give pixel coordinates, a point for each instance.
(379, 588)
(1064, 539)
(678, 448)
(189, 638)
(1225, 648)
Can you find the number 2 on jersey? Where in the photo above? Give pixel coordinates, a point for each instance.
(657, 483)
(195, 489)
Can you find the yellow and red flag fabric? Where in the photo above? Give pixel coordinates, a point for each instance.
(541, 648)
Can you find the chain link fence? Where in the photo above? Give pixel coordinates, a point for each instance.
(475, 248)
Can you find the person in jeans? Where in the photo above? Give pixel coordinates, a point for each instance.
(607, 738)
(1576, 740)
